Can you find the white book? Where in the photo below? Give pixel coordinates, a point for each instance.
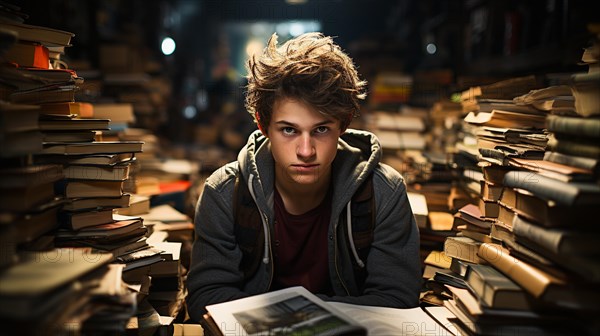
(287, 311)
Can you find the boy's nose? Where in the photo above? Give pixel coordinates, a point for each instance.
(305, 148)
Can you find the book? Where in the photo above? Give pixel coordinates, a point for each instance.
(488, 208)
(78, 204)
(586, 127)
(479, 311)
(292, 310)
(20, 143)
(144, 257)
(103, 232)
(438, 259)
(554, 170)
(70, 124)
(44, 35)
(343, 318)
(28, 55)
(463, 248)
(569, 194)
(395, 122)
(585, 90)
(170, 266)
(87, 159)
(460, 267)
(391, 140)
(27, 198)
(96, 147)
(82, 219)
(498, 118)
(18, 117)
(467, 324)
(89, 188)
(28, 288)
(539, 284)
(490, 190)
(45, 95)
(138, 205)
(418, 204)
(31, 175)
(571, 160)
(68, 136)
(514, 135)
(487, 105)
(556, 240)
(80, 109)
(580, 147)
(495, 289)
(119, 172)
(494, 173)
(166, 214)
(545, 212)
(117, 113)
(471, 214)
(534, 96)
(504, 89)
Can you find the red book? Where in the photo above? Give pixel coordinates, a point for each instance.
(29, 55)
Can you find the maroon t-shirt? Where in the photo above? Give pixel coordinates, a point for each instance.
(300, 247)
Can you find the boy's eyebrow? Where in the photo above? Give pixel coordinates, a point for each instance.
(287, 123)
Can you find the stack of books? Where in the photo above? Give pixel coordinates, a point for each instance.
(164, 280)
(525, 255)
(403, 130)
(51, 184)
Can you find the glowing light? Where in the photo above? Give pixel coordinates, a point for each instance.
(189, 112)
(296, 29)
(431, 48)
(167, 46)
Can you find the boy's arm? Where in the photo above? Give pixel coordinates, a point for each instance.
(214, 274)
(393, 264)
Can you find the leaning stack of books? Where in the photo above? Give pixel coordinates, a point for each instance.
(44, 290)
(28, 205)
(503, 130)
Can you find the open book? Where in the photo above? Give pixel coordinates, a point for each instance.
(296, 311)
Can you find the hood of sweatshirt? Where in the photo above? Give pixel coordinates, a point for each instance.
(359, 152)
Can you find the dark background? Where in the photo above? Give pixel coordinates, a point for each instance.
(473, 39)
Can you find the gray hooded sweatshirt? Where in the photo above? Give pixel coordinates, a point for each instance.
(393, 266)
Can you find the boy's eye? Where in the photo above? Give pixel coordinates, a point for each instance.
(321, 129)
(288, 131)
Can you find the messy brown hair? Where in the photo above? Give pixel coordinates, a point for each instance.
(310, 68)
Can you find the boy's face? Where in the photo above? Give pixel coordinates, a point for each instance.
(303, 143)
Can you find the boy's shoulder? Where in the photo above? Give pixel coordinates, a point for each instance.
(223, 176)
(386, 175)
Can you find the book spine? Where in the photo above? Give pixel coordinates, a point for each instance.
(533, 280)
(575, 148)
(587, 127)
(548, 239)
(546, 188)
(573, 161)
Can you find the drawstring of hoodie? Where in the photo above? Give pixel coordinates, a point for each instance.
(360, 263)
(264, 222)
(266, 228)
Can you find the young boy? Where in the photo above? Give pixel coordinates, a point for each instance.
(302, 169)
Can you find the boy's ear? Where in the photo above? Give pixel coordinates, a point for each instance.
(257, 116)
(262, 130)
